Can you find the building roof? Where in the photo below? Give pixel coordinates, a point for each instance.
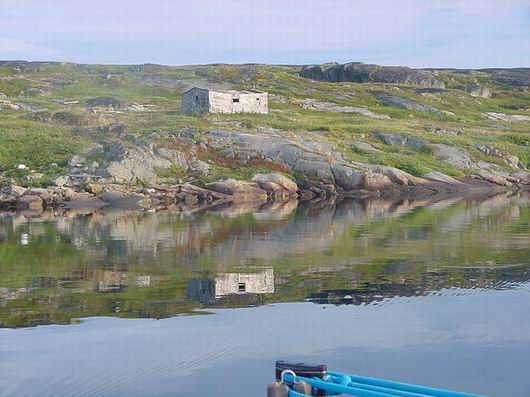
(227, 91)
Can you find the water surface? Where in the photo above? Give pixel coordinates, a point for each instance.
(166, 304)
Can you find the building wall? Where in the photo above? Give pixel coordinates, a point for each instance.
(221, 102)
(238, 102)
(196, 101)
(254, 102)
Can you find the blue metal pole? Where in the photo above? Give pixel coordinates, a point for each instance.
(405, 387)
(336, 388)
(394, 392)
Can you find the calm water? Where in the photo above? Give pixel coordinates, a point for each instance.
(166, 304)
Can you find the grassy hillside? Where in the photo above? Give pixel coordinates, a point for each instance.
(53, 122)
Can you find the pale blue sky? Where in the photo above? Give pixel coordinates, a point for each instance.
(441, 33)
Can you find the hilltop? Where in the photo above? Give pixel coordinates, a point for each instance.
(352, 129)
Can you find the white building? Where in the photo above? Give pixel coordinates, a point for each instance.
(200, 100)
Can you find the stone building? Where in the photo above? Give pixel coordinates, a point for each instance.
(200, 100)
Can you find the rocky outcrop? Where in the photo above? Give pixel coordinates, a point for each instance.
(405, 103)
(103, 102)
(312, 104)
(271, 187)
(364, 147)
(238, 190)
(443, 131)
(319, 166)
(518, 77)
(32, 203)
(523, 177)
(276, 185)
(508, 159)
(478, 91)
(401, 140)
(506, 117)
(441, 177)
(140, 164)
(480, 169)
(452, 155)
(13, 190)
(358, 72)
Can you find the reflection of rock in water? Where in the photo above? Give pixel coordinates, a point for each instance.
(472, 279)
(230, 285)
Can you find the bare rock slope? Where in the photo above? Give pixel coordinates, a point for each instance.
(358, 72)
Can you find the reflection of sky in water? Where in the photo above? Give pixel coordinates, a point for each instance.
(474, 340)
(474, 337)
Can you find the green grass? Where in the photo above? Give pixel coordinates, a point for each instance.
(39, 143)
(35, 144)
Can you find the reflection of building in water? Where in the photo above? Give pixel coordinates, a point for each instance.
(207, 290)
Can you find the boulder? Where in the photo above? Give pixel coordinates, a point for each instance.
(199, 169)
(391, 139)
(276, 185)
(94, 188)
(32, 203)
(76, 161)
(358, 72)
(46, 195)
(397, 176)
(61, 181)
(238, 190)
(401, 140)
(201, 193)
(493, 178)
(478, 91)
(376, 181)
(13, 190)
(437, 176)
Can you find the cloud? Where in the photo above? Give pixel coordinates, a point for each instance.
(415, 32)
(13, 48)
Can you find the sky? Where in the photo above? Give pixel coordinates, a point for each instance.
(417, 33)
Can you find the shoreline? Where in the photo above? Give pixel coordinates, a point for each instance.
(243, 195)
